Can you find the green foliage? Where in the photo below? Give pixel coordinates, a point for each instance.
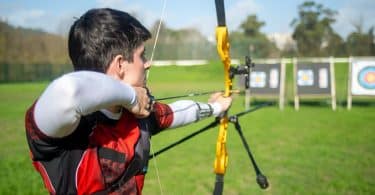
(251, 41)
(360, 43)
(251, 26)
(30, 55)
(336, 46)
(311, 151)
(26, 46)
(315, 36)
(31, 72)
(180, 44)
(313, 29)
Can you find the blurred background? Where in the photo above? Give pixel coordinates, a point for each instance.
(33, 33)
(315, 150)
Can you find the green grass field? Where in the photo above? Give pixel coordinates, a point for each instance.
(311, 151)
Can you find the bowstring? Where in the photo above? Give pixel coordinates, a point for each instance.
(157, 36)
(147, 76)
(156, 167)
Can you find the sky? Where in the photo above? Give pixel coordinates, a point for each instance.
(56, 16)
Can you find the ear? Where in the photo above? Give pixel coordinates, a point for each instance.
(117, 67)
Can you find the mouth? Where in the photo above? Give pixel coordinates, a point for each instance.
(145, 77)
(145, 80)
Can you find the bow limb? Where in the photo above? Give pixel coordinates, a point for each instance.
(222, 39)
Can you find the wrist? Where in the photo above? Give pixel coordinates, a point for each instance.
(216, 108)
(134, 100)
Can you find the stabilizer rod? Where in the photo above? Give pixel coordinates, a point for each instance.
(261, 179)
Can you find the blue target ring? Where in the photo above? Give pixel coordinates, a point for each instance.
(366, 77)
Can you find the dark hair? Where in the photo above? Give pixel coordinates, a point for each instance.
(101, 34)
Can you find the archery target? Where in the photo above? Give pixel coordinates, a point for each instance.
(264, 79)
(305, 77)
(363, 78)
(313, 78)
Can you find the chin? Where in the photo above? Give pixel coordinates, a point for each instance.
(140, 84)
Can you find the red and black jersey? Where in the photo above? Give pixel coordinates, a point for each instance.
(102, 155)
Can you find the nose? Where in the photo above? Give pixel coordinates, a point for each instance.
(147, 64)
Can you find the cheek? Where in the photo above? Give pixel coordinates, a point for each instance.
(136, 73)
(140, 66)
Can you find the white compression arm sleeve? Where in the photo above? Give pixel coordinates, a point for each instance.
(59, 109)
(186, 111)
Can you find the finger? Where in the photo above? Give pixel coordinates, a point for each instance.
(215, 96)
(144, 115)
(152, 105)
(148, 107)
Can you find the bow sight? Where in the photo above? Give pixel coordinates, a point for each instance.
(242, 70)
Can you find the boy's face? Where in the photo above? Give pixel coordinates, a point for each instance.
(135, 72)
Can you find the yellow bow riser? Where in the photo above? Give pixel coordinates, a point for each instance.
(221, 160)
(223, 51)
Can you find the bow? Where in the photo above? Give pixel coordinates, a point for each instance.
(221, 157)
(221, 160)
(222, 39)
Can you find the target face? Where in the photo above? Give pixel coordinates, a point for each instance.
(363, 77)
(257, 79)
(366, 77)
(305, 77)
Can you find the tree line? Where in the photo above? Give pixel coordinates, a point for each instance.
(28, 46)
(313, 35)
(28, 54)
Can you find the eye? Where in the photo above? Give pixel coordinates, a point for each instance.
(143, 55)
